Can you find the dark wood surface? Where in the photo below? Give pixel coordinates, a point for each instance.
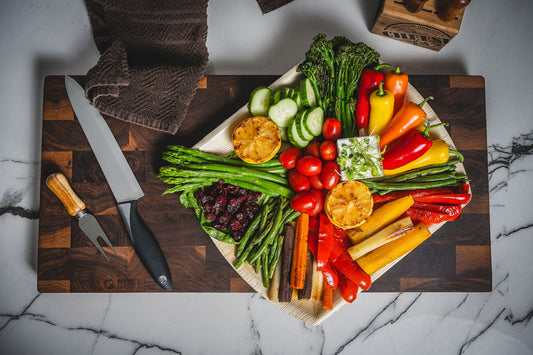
(455, 258)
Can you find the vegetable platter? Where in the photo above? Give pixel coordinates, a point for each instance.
(219, 142)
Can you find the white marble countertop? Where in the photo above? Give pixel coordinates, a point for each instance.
(44, 37)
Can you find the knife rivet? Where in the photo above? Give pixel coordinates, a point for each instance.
(162, 279)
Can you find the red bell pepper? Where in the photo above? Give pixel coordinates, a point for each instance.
(450, 199)
(340, 236)
(368, 83)
(391, 196)
(408, 148)
(450, 210)
(343, 262)
(348, 288)
(428, 217)
(328, 271)
(325, 239)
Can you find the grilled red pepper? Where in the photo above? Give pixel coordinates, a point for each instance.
(325, 239)
(328, 271)
(408, 148)
(369, 82)
(391, 196)
(340, 236)
(449, 199)
(348, 288)
(428, 217)
(343, 262)
(450, 210)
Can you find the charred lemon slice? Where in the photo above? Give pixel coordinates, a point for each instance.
(349, 204)
(256, 139)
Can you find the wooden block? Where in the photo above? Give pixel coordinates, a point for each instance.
(423, 29)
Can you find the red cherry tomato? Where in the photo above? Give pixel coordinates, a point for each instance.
(309, 165)
(316, 183)
(328, 150)
(330, 175)
(303, 202)
(331, 130)
(313, 149)
(298, 182)
(290, 156)
(319, 205)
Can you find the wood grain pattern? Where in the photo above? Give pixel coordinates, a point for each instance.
(456, 258)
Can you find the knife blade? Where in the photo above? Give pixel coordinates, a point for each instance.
(122, 181)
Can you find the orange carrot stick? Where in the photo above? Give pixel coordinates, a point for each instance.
(299, 257)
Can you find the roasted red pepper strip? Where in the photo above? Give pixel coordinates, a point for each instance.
(426, 217)
(341, 259)
(348, 288)
(449, 199)
(325, 239)
(341, 237)
(369, 82)
(408, 148)
(450, 210)
(391, 196)
(328, 271)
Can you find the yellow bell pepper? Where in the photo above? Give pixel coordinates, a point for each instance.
(438, 153)
(381, 110)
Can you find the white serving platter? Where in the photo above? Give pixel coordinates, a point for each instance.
(219, 142)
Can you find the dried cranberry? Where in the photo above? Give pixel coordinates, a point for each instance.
(224, 218)
(210, 217)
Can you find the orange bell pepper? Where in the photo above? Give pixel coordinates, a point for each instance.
(409, 117)
(397, 83)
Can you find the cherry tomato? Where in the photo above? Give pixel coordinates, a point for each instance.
(319, 205)
(309, 165)
(313, 149)
(330, 175)
(290, 156)
(303, 202)
(331, 130)
(316, 183)
(298, 182)
(328, 150)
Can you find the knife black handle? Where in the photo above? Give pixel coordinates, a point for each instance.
(146, 246)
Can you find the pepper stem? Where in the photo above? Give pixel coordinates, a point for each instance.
(425, 100)
(381, 92)
(397, 71)
(459, 155)
(382, 65)
(428, 127)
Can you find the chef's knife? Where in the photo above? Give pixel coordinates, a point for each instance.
(122, 182)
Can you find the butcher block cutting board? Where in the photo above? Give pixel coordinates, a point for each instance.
(455, 258)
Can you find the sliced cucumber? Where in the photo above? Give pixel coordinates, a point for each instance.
(298, 100)
(302, 131)
(307, 93)
(283, 112)
(275, 97)
(294, 138)
(259, 101)
(283, 134)
(314, 121)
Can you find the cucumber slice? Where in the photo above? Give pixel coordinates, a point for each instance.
(294, 138)
(314, 121)
(307, 93)
(283, 112)
(283, 134)
(275, 97)
(259, 101)
(298, 100)
(300, 128)
(287, 92)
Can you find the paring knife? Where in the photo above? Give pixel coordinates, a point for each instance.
(58, 184)
(122, 182)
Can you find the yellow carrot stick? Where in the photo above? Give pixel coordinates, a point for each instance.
(380, 218)
(389, 252)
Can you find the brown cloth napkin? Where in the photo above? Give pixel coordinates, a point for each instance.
(153, 55)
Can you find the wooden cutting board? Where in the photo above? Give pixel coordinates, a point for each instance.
(455, 258)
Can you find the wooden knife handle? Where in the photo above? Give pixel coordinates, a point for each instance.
(60, 186)
(448, 13)
(414, 6)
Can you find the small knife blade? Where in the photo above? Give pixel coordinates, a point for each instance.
(122, 182)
